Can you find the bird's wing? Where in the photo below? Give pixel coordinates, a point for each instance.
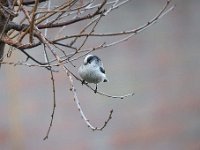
(102, 70)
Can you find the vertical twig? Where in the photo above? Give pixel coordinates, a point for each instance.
(54, 98)
(53, 82)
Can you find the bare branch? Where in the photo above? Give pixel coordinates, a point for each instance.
(79, 106)
(54, 98)
(133, 31)
(31, 31)
(33, 21)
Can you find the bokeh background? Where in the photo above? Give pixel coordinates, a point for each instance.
(161, 65)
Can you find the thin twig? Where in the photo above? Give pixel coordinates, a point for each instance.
(33, 21)
(54, 105)
(133, 31)
(53, 82)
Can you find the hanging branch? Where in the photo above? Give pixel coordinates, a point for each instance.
(54, 96)
(76, 100)
(53, 82)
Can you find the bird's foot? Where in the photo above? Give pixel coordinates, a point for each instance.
(95, 91)
(83, 82)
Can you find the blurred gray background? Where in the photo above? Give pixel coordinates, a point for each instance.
(161, 65)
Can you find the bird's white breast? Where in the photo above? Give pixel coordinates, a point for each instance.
(91, 73)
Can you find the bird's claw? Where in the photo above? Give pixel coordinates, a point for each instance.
(95, 91)
(83, 82)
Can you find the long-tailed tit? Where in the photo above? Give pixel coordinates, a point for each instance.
(92, 70)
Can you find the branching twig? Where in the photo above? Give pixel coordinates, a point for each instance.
(65, 48)
(79, 106)
(132, 32)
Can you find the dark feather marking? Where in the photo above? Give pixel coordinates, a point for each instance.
(91, 58)
(102, 70)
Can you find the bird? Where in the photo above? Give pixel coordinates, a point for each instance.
(92, 70)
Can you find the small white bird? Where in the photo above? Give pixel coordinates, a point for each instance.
(92, 70)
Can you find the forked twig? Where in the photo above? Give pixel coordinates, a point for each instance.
(72, 88)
